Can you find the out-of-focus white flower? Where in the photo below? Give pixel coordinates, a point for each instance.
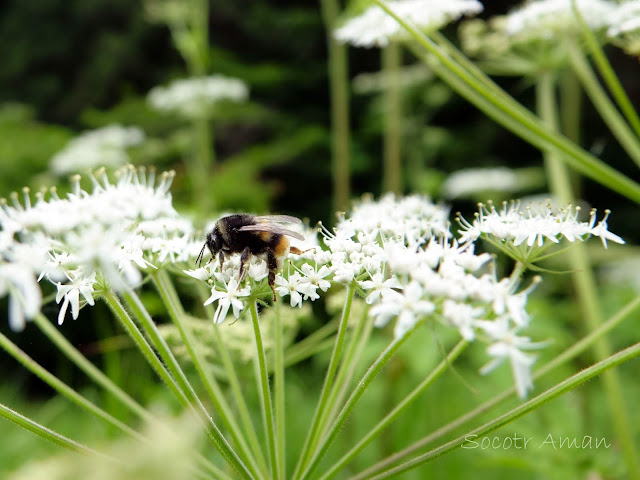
(230, 298)
(375, 27)
(624, 26)
(550, 18)
(103, 147)
(25, 298)
(474, 181)
(196, 97)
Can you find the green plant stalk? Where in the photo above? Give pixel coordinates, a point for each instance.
(514, 116)
(316, 427)
(569, 354)
(279, 392)
(607, 72)
(359, 339)
(363, 384)
(339, 90)
(623, 133)
(392, 173)
(102, 380)
(201, 166)
(46, 433)
(234, 382)
(171, 300)
(63, 389)
(398, 410)
(212, 431)
(267, 406)
(89, 368)
(521, 410)
(584, 282)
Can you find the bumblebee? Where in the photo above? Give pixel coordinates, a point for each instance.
(248, 235)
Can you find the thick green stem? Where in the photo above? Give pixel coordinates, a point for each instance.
(267, 406)
(279, 392)
(339, 88)
(362, 386)
(44, 432)
(174, 306)
(392, 173)
(623, 133)
(398, 410)
(584, 281)
(476, 87)
(316, 425)
(213, 433)
(569, 354)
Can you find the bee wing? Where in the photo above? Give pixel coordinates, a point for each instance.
(270, 228)
(278, 219)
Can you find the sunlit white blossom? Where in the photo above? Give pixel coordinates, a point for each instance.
(624, 26)
(71, 294)
(375, 27)
(25, 298)
(229, 298)
(197, 96)
(103, 147)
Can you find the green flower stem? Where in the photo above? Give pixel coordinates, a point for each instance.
(170, 298)
(63, 389)
(399, 409)
(569, 354)
(267, 407)
(627, 138)
(608, 73)
(585, 283)
(234, 382)
(359, 339)
(89, 368)
(212, 431)
(521, 410)
(316, 427)
(46, 433)
(514, 116)
(339, 88)
(363, 384)
(279, 392)
(102, 380)
(392, 173)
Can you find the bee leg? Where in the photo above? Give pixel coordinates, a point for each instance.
(243, 259)
(272, 263)
(297, 251)
(220, 259)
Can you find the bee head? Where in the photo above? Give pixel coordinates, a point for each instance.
(214, 241)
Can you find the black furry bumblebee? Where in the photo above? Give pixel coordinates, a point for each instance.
(248, 235)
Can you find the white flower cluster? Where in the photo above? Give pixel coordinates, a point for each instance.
(534, 225)
(624, 26)
(299, 280)
(196, 97)
(399, 253)
(114, 231)
(375, 27)
(473, 180)
(546, 19)
(105, 146)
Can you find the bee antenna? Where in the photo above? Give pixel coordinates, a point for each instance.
(200, 255)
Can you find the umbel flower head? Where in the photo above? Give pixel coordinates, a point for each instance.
(526, 233)
(376, 28)
(533, 36)
(103, 147)
(88, 238)
(624, 26)
(400, 254)
(197, 97)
